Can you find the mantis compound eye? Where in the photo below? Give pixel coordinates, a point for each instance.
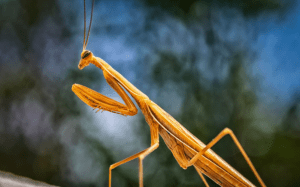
(85, 54)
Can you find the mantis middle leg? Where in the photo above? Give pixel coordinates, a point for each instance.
(141, 155)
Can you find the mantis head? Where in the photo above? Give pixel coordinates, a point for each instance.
(86, 58)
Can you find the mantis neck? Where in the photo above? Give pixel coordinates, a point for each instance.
(105, 67)
(99, 63)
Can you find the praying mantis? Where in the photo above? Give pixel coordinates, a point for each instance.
(186, 148)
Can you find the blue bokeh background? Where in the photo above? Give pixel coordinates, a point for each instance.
(210, 64)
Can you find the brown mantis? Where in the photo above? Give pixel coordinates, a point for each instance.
(186, 148)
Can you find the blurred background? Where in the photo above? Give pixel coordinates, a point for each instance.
(210, 64)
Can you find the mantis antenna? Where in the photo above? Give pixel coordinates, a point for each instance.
(86, 38)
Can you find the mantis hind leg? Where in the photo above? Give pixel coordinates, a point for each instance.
(218, 138)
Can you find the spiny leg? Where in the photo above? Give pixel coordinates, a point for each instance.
(215, 140)
(202, 177)
(102, 102)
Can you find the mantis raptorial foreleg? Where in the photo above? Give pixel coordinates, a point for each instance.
(235, 140)
(97, 100)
